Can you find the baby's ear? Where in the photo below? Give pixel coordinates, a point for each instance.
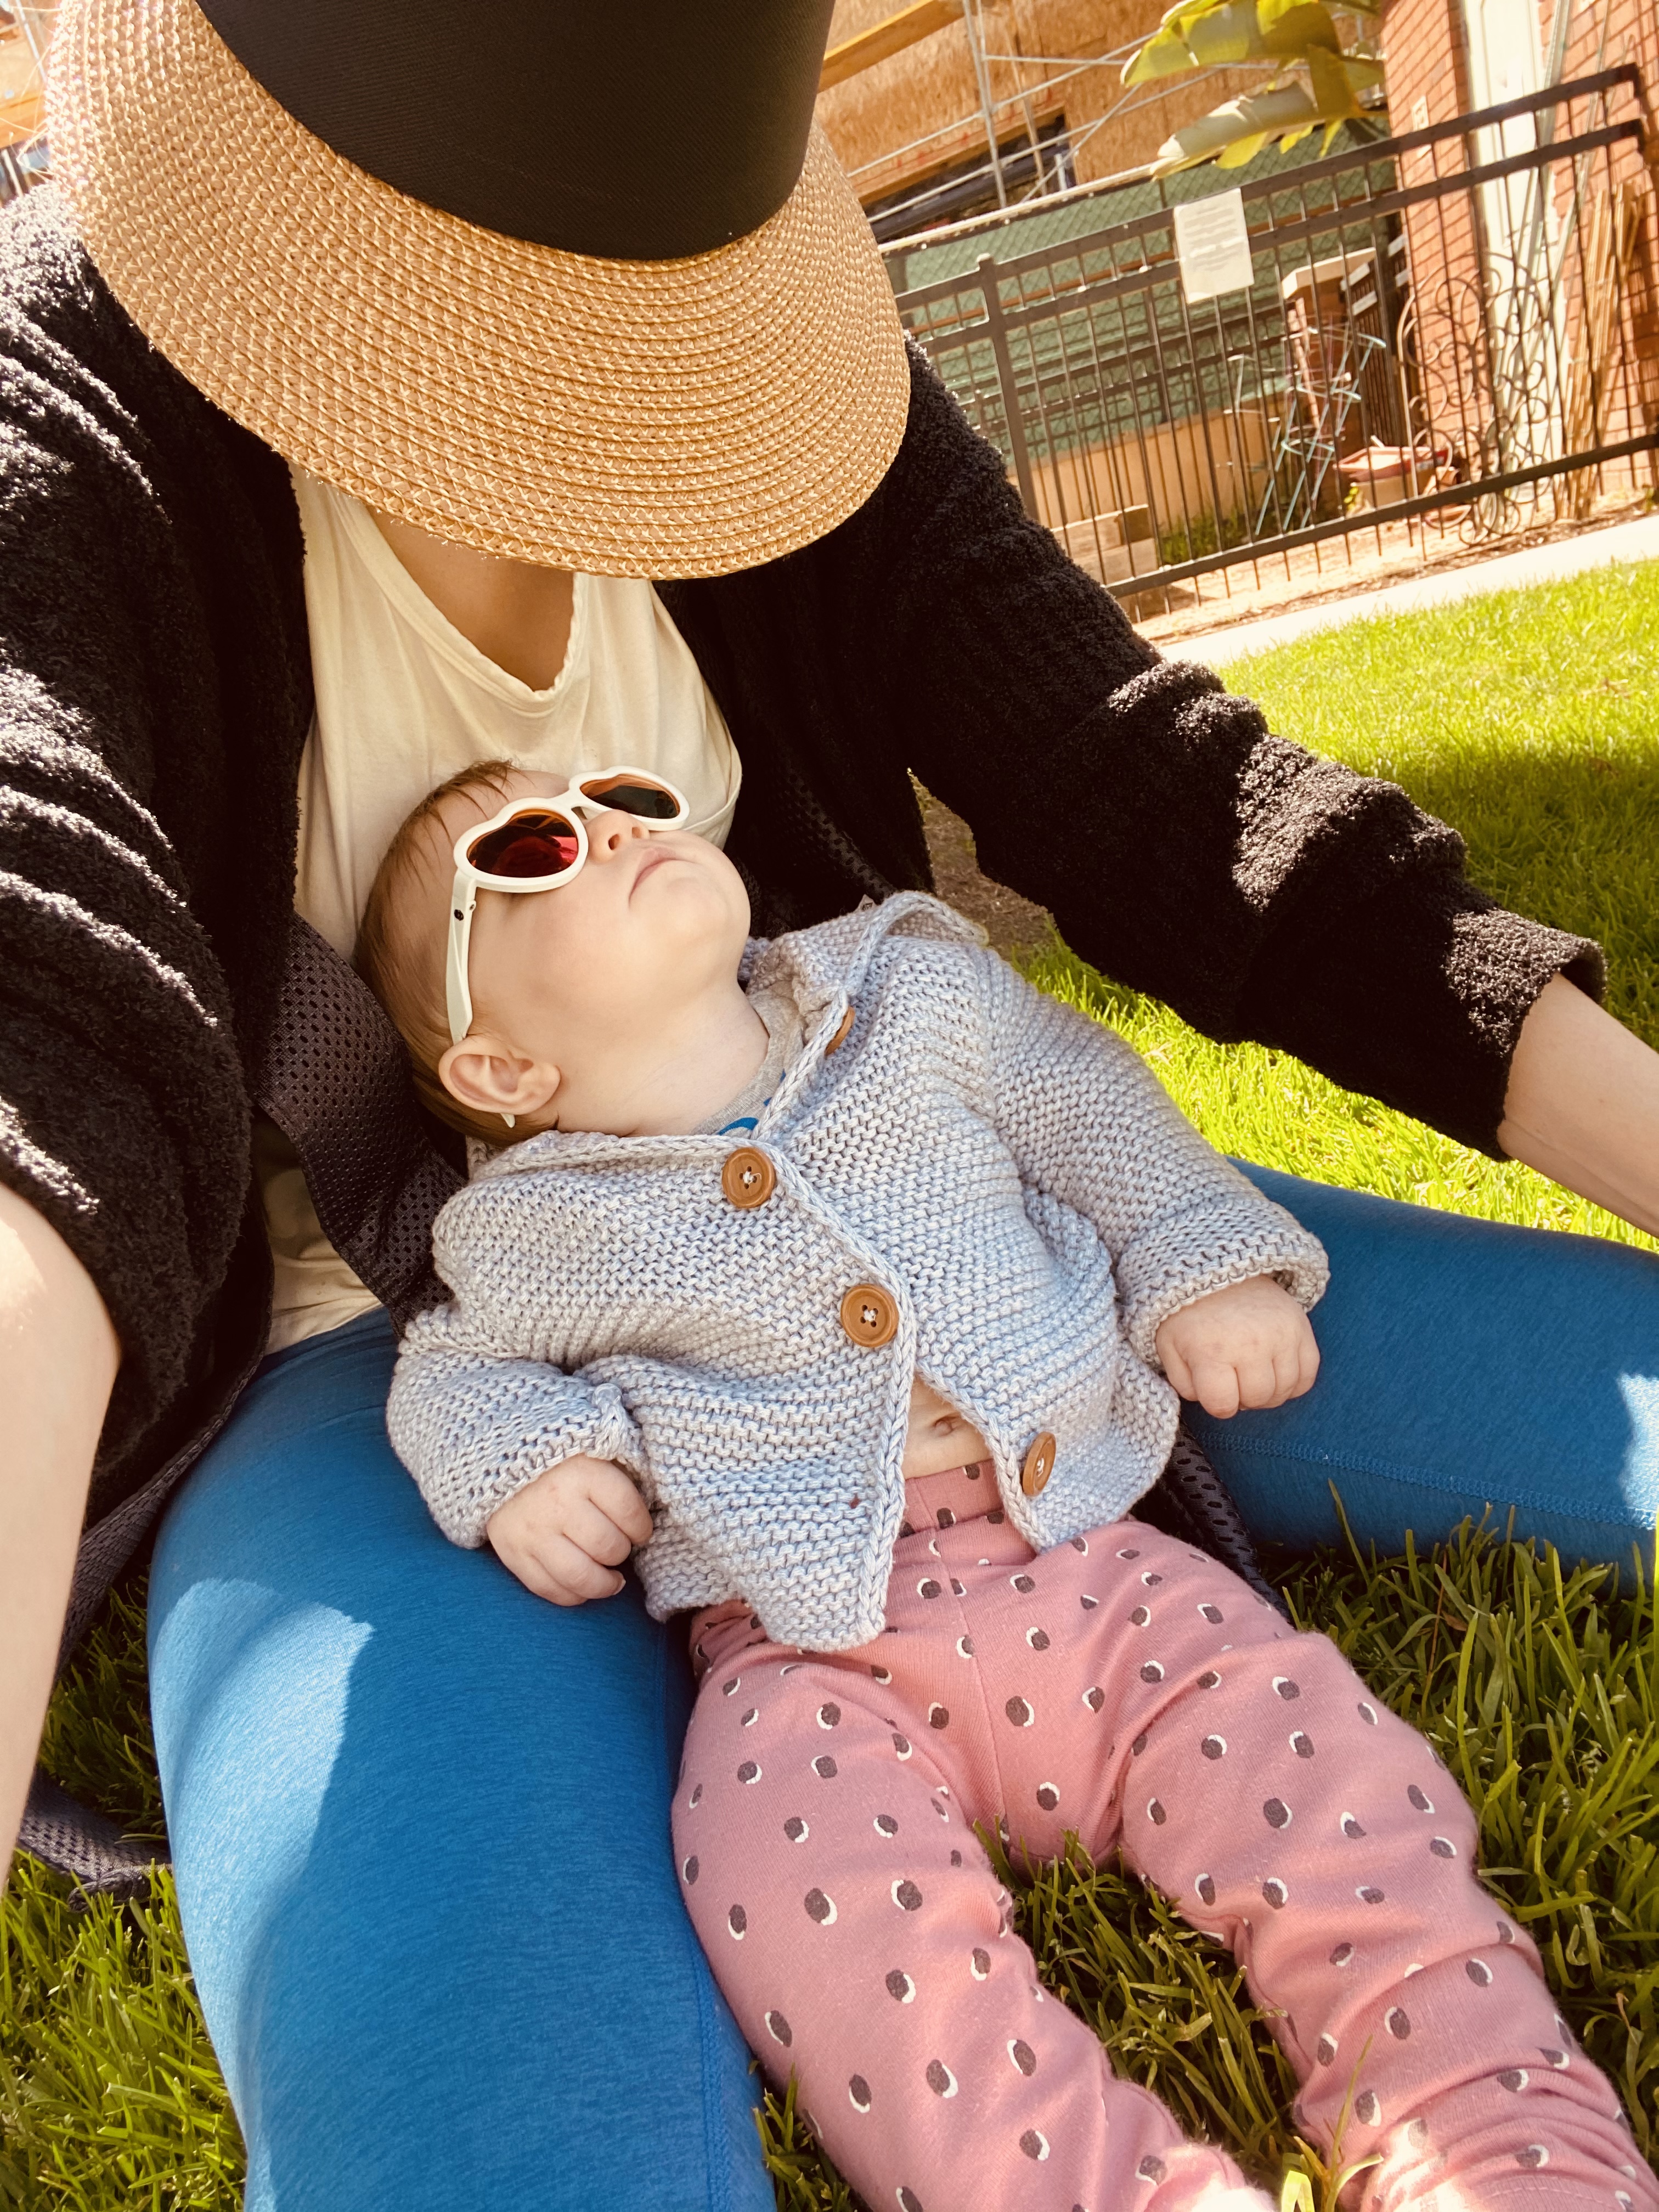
(487, 1077)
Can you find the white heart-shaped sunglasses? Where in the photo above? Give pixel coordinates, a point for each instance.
(537, 845)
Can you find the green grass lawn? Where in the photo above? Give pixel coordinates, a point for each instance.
(1531, 721)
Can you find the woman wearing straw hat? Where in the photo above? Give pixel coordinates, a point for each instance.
(389, 387)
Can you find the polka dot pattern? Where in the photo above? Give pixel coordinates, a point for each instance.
(867, 1949)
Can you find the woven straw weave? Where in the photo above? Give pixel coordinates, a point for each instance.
(655, 418)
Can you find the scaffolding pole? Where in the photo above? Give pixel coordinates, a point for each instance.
(970, 23)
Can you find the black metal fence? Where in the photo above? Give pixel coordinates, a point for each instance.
(1450, 329)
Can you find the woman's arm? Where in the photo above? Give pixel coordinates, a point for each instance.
(58, 1355)
(150, 727)
(1583, 1104)
(1260, 891)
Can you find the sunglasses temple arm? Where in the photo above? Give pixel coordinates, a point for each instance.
(458, 994)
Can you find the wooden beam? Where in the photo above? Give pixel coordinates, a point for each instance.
(889, 36)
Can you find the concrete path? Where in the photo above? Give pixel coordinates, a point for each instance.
(1540, 564)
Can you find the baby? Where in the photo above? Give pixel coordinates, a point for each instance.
(852, 1284)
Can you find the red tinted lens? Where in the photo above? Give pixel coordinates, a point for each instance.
(528, 845)
(631, 794)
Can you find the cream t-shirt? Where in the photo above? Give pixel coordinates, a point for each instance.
(404, 700)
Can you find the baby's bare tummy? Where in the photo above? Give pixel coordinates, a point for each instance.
(937, 1436)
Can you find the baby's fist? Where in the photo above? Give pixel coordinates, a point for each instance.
(1250, 1345)
(565, 1534)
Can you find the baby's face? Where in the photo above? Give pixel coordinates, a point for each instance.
(653, 919)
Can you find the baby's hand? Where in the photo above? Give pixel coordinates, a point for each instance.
(565, 1534)
(1249, 1345)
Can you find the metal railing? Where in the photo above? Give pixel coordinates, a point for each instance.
(1445, 330)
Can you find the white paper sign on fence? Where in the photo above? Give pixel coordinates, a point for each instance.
(1214, 246)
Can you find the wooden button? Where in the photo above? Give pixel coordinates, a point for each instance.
(748, 1177)
(842, 1029)
(1039, 1465)
(869, 1316)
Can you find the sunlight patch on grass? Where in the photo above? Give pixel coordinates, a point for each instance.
(110, 2094)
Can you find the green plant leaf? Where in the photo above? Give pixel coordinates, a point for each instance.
(1225, 35)
(1242, 150)
(1260, 115)
(1333, 95)
(1163, 55)
(1291, 32)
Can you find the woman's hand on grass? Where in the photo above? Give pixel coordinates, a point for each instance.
(1250, 1345)
(565, 1534)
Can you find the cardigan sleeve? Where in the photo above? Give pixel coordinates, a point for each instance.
(124, 1116)
(475, 1412)
(1089, 1124)
(1261, 890)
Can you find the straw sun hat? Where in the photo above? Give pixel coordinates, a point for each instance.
(574, 281)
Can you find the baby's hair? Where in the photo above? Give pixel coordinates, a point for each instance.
(402, 946)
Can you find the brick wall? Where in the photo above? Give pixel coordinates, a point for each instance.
(1601, 34)
(1425, 49)
(1425, 56)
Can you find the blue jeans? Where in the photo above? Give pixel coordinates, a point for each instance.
(421, 1818)
(420, 1821)
(1466, 1368)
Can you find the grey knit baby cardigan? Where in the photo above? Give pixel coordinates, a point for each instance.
(1007, 1170)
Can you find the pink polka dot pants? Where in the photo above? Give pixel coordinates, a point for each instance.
(1131, 1689)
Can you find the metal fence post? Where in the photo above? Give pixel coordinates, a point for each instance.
(986, 269)
(1125, 386)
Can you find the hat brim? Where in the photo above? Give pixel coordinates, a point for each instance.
(655, 418)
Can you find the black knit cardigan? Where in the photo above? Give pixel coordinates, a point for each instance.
(156, 694)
